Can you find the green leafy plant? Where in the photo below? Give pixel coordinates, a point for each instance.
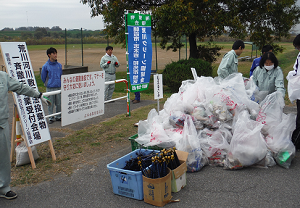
(176, 72)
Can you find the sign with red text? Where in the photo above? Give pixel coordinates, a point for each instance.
(82, 96)
(30, 110)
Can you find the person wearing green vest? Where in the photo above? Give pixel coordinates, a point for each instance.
(268, 75)
(229, 63)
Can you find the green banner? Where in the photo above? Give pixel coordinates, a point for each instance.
(139, 87)
(136, 19)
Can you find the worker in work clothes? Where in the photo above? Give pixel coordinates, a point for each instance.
(9, 84)
(229, 63)
(108, 63)
(268, 75)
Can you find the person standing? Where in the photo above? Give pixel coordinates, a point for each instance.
(268, 75)
(108, 63)
(266, 48)
(229, 63)
(137, 98)
(296, 132)
(51, 76)
(9, 84)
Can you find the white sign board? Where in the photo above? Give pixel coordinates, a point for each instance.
(31, 113)
(82, 96)
(158, 86)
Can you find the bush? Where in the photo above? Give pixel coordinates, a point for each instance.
(176, 72)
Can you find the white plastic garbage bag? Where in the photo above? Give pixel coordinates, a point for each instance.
(253, 92)
(214, 145)
(190, 143)
(271, 111)
(152, 132)
(247, 144)
(293, 86)
(280, 143)
(22, 157)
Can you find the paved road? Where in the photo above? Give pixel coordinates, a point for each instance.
(210, 187)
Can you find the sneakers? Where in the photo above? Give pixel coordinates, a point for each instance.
(9, 195)
(135, 101)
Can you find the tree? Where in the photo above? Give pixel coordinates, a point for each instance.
(40, 32)
(263, 21)
(26, 35)
(56, 28)
(195, 19)
(7, 29)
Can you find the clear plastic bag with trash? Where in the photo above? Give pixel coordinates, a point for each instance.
(280, 143)
(191, 144)
(247, 144)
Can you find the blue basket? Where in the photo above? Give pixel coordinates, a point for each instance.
(126, 182)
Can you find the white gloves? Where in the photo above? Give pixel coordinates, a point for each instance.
(45, 100)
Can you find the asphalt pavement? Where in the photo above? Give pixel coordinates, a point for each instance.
(91, 185)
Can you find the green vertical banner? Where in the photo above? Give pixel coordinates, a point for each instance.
(139, 50)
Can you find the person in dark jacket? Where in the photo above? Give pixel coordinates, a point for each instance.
(296, 132)
(51, 76)
(266, 48)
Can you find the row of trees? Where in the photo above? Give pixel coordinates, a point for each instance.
(54, 28)
(264, 21)
(42, 32)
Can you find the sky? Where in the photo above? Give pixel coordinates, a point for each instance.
(69, 14)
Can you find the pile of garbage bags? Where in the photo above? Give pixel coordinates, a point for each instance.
(223, 122)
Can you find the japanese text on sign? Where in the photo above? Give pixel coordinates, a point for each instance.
(82, 96)
(16, 57)
(139, 50)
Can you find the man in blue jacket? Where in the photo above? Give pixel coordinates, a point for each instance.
(51, 76)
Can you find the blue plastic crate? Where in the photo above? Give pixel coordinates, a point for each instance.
(125, 182)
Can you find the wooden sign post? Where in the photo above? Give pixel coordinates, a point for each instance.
(16, 138)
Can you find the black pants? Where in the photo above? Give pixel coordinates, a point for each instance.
(298, 114)
(296, 133)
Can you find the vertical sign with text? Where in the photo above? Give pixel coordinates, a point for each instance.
(158, 86)
(31, 113)
(82, 96)
(139, 50)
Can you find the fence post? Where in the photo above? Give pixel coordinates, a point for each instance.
(81, 48)
(66, 63)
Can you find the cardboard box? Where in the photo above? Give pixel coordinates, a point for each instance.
(126, 182)
(178, 179)
(157, 191)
